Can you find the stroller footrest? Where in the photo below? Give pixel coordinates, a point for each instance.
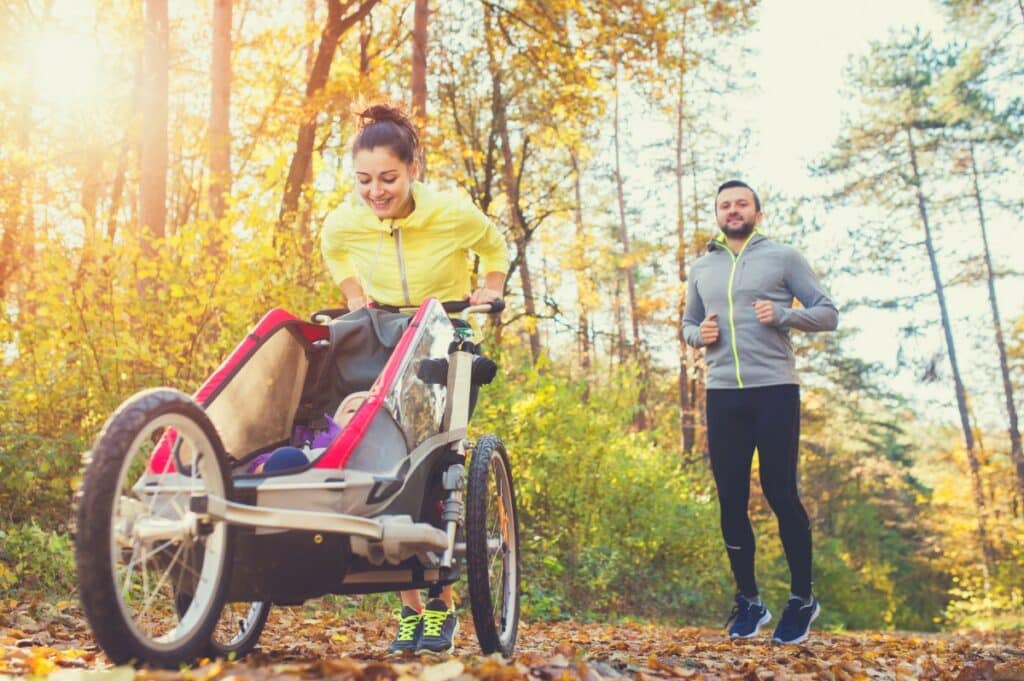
(401, 539)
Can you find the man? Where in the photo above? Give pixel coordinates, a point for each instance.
(739, 306)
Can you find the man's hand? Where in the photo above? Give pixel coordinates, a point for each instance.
(355, 302)
(709, 329)
(765, 310)
(484, 295)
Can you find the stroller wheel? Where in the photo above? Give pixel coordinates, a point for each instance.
(492, 548)
(238, 629)
(151, 573)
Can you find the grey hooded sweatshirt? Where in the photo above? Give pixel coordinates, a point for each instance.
(750, 354)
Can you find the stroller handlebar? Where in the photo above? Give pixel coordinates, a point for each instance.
(451, 307)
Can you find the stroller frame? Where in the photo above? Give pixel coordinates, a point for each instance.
(168, 548)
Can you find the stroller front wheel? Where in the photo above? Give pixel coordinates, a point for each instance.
(492, 547)
(238, 629)
(151, 573)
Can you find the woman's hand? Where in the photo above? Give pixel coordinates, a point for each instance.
(355, 297)
(484, 295)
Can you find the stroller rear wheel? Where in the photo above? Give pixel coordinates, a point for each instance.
(492, 547)
(238, 629)
(152, 573)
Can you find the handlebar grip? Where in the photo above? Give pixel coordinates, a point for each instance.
(332, 312)
(460, 305)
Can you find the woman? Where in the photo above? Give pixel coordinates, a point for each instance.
(397, 243)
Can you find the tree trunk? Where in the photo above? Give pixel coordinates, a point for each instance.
(117, 188)
(698, 376)
(583, 334)
(685, 405)
(153, 160)
(220, 109)
(311, 45)
(306, 210)
(519, 229)
(336, 26)
(365, 35)
(1016, 455)
(619, 352)
(640, 416)
(419, 62)
(958, 386)
(92, 181)
(508, 175)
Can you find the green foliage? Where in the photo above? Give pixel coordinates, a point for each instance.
(33, 559)
(37, 473)
(137, 316)
(997, 605)
(611, 521)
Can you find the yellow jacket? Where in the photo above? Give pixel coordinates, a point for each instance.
(401, 262)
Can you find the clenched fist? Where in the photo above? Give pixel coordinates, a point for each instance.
(709, 329)
(765, 310)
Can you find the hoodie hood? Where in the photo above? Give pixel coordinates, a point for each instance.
(428, 204)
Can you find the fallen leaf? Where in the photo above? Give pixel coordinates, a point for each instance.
(442, 672)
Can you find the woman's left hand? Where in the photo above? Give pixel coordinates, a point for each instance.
(484, 295)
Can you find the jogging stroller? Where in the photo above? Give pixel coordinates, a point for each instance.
(324, 457)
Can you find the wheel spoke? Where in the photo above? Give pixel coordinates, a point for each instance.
(160, 582)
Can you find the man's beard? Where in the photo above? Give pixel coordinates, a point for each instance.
(739, 232)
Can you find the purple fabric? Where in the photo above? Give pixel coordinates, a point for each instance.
(302, 435)
(316, 437)
(326, 437)
(255, 463)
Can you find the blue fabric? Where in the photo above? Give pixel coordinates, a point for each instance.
(285, 457)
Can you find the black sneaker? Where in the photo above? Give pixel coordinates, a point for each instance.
(796, 620)
(439, 628)
(747, 618)
(410, 624)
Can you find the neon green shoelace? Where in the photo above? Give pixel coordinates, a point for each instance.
(407, 627)
(433, 620)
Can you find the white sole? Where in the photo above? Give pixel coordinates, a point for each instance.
(449, 651)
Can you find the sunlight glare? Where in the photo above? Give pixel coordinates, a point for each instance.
(65, 69)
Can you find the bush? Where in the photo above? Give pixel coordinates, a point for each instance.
(37, 476)
(611, 521)
(33, 559)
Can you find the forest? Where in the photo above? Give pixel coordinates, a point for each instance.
(166, 169)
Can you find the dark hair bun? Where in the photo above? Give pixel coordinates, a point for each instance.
(378, 113)
(388, 126)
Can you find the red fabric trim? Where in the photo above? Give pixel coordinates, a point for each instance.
(339, 451)
(160, 460)
(271, 321)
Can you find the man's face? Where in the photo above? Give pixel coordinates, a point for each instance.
(736, 212)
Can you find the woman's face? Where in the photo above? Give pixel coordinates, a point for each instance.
(385, 182)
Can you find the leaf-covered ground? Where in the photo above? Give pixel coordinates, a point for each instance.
(307, 643)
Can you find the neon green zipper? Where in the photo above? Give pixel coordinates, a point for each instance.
(732, 321)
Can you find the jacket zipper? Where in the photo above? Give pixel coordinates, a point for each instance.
(397, 233)
(732, 320)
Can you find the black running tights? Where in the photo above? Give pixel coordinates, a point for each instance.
(766, 418)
